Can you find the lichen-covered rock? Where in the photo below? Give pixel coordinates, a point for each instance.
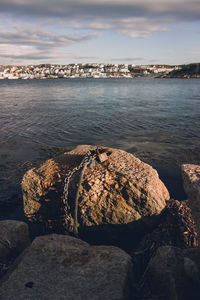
(172, 273)
(63, 267)
(191, 182)
(14, 238)
(118, 191)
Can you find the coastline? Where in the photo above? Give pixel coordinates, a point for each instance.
(40, 124)
(134, 239)
(50, 71)
(17, 157)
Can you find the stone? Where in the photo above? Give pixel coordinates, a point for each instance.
(14, 238)
(191, 182)
(172, 273)
(176, 228)
(63, 267)
(118, 197)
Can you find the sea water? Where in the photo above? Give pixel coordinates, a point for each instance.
(158, 120)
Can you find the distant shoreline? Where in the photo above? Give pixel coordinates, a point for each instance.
(107, 78)
(49, 71)
(44, 71)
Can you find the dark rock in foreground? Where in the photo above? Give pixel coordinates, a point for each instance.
(14, 238)
(172, 273)
(191, 182)
(177, 229)
(119, 197)
(63, 267)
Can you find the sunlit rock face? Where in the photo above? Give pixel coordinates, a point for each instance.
(119, 194)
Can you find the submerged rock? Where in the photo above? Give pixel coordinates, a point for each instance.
(14, 238)
(63, 267)
(119, 195)
(191, 182)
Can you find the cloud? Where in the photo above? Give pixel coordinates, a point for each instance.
(30, 54)
(135, 18)
(40, 37)
(94, 8)
(86, 19)
(90, 9)
(38, 44)
(126, 59)
(133, 27)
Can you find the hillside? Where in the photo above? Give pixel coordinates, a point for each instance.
(187, 71)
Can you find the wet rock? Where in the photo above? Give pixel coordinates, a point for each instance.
(63, 267)
(191, 182)
(177, 229)
(14, 238)
(118, 196)
(172, 273)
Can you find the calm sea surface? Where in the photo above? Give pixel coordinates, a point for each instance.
(158, 120)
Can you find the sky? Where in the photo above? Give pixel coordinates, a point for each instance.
(101, 31)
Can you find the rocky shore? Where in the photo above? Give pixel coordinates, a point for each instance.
(107, 230)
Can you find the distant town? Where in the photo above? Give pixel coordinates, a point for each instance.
(93, 70)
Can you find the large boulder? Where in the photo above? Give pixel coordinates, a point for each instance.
(14, 238)
(118, 194)
(172, 273)
(191, 182)
(63, 267)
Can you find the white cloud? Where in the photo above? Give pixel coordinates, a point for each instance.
(133, 27)
(38, 44)
(88, 18)
(29, 54)
(40, 36)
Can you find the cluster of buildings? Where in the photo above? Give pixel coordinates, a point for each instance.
(45, 71)
(159, 69)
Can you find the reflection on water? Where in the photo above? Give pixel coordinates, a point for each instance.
(155, 119)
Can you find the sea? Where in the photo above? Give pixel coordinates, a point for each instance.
(157, 120)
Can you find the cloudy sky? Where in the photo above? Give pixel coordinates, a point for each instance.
(116, 31)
